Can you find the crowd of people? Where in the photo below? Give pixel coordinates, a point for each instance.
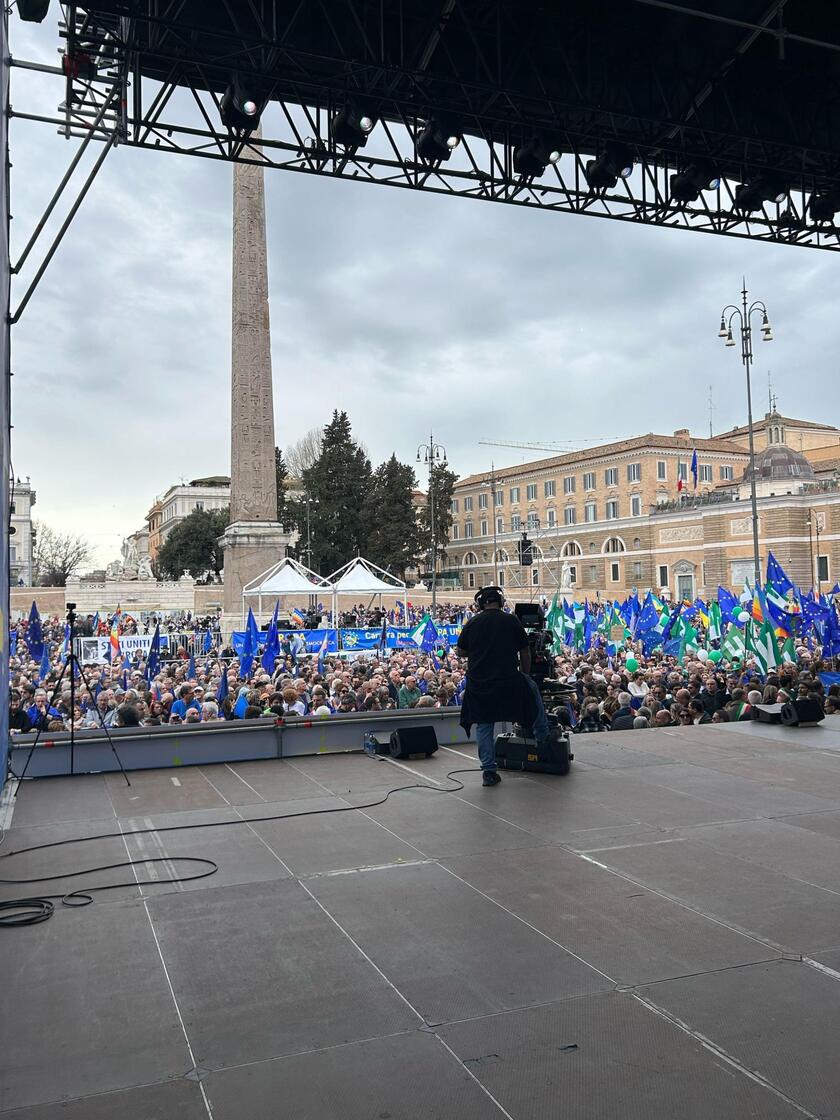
(214, 685)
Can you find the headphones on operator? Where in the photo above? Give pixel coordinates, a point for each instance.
(487, 595)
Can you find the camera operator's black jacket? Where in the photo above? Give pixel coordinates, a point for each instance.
(496, 691)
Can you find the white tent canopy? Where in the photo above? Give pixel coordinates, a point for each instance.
(363, 577)
(287, 577)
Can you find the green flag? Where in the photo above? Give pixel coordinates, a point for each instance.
(789, 652)
(761, 643)
(732, 646)
(714, 631)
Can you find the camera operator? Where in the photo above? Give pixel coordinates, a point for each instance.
(498, 686)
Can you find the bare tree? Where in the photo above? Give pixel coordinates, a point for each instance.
(57, 556)
(303, 454)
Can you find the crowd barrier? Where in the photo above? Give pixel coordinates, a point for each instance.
(163, 747)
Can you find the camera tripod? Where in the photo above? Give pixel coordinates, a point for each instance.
(74, 665)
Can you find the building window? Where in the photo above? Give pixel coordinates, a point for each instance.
(663, 575)
(552, 518)
(453, 505)
(199, 505)
(515, 522)
(514, 495)
(533, 521)
(499, 497)
(454, 531)
(589, 480)
(12, 554)
(549, 488)
(611, 476)
(637, 569)
(615, 571)
(682, 471)
(661, 470)
(726, 474)
(482, 501)
(822, 568)
(593, 574)
(612, 510)
(569, 484)
(634, 472)
(590, 512)
(570, 515)
(468, 529)
(614, 544)
(468, 503)
(470, 580)
(500, 524)
(705, 473)
(500, 576)
(531, 492)
(592, 546)
(635, 506)
(535, 577)
(573, 573)
(571, 548)
(482, 527)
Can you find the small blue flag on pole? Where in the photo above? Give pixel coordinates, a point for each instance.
(153, 660)
(224, 688)
(191, 668)
(35, 634)
(694, 467)
(208, 641)
(241, 706)
(44, 667)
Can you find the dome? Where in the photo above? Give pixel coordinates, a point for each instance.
(778, 462)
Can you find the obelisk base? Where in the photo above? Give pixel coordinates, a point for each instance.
(251, 547)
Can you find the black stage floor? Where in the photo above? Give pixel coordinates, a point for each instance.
(655, 936)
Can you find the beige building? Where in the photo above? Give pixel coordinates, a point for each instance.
(800, 435)
(180, 501)
(22, 534)
(613, 514)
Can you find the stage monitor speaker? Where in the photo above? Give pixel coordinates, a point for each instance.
(407, 741)
(802, 713)
(769, 713)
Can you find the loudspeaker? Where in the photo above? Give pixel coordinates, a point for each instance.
(33, 11)
(407, 741)
(769, 713)
(802, 713)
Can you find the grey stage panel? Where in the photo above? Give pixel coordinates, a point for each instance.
(181, 1099)
(605, 1058)
(450, 951)
(816, 773)
(332, 842)
(410, 1077)
(162, 791)
(348, 773)
(781, 1020)
(246, 783)
(631, 793)
(86, 1008)
(259, 970)
(47, 800)
(790, 914)
(629, 933)
(612, 753)
(780, 846)
(826, 824)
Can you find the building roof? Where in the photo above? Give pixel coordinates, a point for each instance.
(777, 418)
(650, 441)
(780, 462)
(212, 480)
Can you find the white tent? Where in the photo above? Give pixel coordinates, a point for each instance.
(287, 577)
(363, 577)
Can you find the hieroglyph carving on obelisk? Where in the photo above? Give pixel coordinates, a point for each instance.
(253, 490)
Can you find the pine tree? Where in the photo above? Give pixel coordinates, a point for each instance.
(392, 530)
(282, 473)
(442, 485)
(339, 483)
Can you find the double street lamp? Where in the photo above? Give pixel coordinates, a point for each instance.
(815, 526)
(491, 482)
(433, 455)
(741, 318)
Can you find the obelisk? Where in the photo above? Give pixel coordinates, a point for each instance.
(254, 540)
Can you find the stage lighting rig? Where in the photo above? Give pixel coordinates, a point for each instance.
(687, 185)
(823, 207)
(240, 107)
(534, 157)
(437, 141)
(351, 127)
(614, 163)
(764, 188)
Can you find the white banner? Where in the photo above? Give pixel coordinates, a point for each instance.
(95, 650)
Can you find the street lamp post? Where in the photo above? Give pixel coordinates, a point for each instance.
(743, 317)
(432, 454)
(491, 482)
(814, 525)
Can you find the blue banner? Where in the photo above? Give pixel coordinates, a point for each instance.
(361, 639)
(313, 639)
(396, 637)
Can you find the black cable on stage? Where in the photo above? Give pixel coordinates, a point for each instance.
(31, 911)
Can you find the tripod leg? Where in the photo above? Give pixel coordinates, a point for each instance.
(75, 661)
(37, 738)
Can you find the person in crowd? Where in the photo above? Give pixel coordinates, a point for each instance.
(624, 716)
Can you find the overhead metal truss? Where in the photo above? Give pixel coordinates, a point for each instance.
(170, 67)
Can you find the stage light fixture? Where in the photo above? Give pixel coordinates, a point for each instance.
(687, 185)
(823, 207)
(534, 157)
(614, 163)
(437, 141)
(33, 11)
(240, 107)
(763, 188)
(351, 127)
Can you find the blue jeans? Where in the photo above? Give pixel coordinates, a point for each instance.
(485, 733)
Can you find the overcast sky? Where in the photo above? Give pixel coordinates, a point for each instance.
(412, 312)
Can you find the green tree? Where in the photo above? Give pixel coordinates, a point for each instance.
(282, 473)
(392, 530)
(338, 483)
(442, 484)
(193, 545)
